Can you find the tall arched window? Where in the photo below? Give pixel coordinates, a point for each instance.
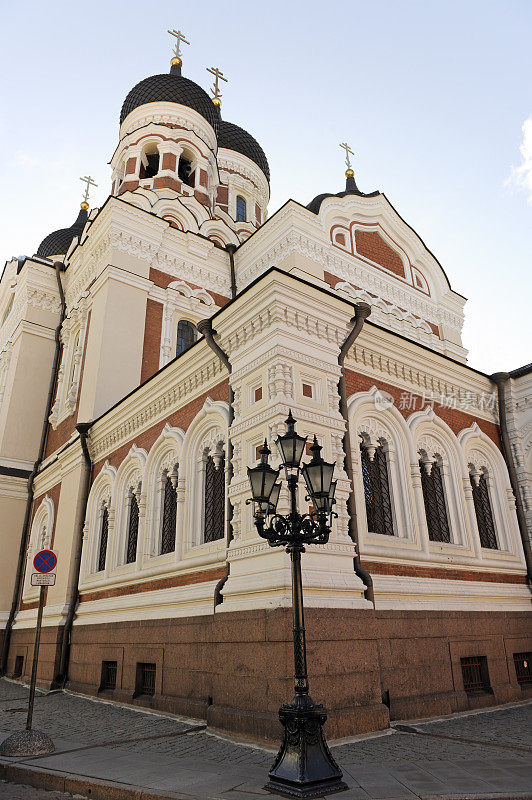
(214, 502)
(186, 336)
(132, 528)
(104, 535)
(8, 309)
(376, 489)
(169, 512)
(483, 512)
(241, 209)
(185, 170)
(149, 162)
(434, 499)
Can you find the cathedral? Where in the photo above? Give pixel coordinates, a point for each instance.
(146, 353)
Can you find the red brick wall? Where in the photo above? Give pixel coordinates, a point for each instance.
(152, 340)
(384, 568)
(370, 244)
(162, 279)
(457, 420)
(180, 419)
(160, 583)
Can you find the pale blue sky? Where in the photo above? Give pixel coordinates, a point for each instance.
(432, 97)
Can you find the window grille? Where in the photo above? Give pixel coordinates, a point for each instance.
(214, 510)
(523, 668)
(475, 674)
(104, 535)
(133, 530)
(186, 335)
(108, 679)
(481, 500)
(169, 517)
(241, 209)
(434, 499)
(377, 491)
(145, 683)
(19, 666)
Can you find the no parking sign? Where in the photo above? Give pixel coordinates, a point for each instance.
(45, 563)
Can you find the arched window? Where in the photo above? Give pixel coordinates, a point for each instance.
(483, 512)
(169, 512)
(214, 502)
(186, 336)
(73, 361)
(8, 309)
(241, 209)
(149, 162)
(434, 500)
(376, 489)
(104, 536)
(185, 171)
(132, 528)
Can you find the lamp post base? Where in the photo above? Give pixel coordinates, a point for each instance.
(304, 767)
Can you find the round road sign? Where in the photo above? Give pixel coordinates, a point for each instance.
(45, 561)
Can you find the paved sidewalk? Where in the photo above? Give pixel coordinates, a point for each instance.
(119, 752)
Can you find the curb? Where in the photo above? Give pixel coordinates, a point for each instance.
(93, 788)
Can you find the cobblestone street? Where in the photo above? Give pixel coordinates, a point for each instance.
(481, 754)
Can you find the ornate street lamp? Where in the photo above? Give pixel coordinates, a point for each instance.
(304, 767)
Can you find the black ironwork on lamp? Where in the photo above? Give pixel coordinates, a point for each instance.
(304, 767)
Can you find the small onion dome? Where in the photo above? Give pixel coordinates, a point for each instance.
(350, 188)
(58, 242)
(171, 88)
(231, 137)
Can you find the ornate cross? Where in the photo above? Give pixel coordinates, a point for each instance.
(348, 152)
(180, 38)
(216, 88)
(89, 181)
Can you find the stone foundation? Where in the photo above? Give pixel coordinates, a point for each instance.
(233, 670)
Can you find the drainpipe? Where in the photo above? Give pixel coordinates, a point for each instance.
(206, 330)
(231, 249)
(501, 379)
(362, 311)
(19, 578)
(73, 599)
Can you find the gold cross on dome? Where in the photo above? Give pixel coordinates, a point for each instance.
(216, 93)
(89, 181)
(180, 38)
(348, 152)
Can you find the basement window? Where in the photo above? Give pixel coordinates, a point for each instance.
(145, 682)
(475, 674)
(523, 669)
(108, 678)
(19, 666)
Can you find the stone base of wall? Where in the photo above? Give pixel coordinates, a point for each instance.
(233, 669)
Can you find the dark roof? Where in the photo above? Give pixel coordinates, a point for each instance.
(58, 242)
(350, 188)
(520, 371)
(171, 87)
(232, 137)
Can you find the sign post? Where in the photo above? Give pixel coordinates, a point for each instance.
(31, 742)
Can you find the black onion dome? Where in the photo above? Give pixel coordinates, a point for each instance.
(171, 88)
(232, 137)
(350, 188)
(58, 242)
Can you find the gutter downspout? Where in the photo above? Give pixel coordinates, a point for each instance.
(73, 600)
(206, 330)
(17, 591)
(501, 379)
(362, 311)
(231, 249)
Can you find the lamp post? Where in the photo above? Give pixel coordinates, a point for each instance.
(304, 767)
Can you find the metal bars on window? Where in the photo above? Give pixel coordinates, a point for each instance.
(168, 517)
(104, 535)
(434, 499)
(523, 668)
(132, 529)
(475, 674)
(377, 491)
(481, 500)
(214, 509)
(108, 677)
